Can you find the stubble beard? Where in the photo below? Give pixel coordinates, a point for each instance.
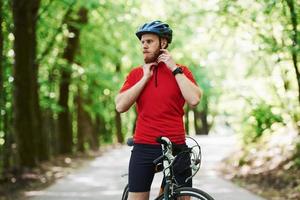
(153, 57)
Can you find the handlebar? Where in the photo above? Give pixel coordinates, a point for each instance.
(165, 141)
(158, 160)
(194, 151)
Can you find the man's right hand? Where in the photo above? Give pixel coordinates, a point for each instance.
(126, 99)
(148, 70)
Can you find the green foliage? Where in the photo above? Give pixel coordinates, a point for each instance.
(260, 119)
(297, 156)
(6, 101)
(264, 118)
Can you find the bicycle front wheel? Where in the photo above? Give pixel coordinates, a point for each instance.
(125, 193)
(188, 193)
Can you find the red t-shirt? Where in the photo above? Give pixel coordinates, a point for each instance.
(159, 106)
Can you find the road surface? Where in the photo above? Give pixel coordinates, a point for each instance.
(101, 178)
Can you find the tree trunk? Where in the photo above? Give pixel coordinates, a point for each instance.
(80, 122)
(118, 119)
(201, 117)
(41, 137)
(205, 126)
(91, 132)
(295, 46)
(187, 120)
(50, 132)
(86, 130)
(134, 122)
(25, 76)
(7, 151)
(100, 127)
(197, 121)
(2, 102)
(64, 120)
(1, 65)
(50, 123)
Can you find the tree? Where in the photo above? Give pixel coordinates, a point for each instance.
(26, 116)
(295, 47)
(64, 120)
(2, 102)
(86, 128)
(118, 119)
(1, 60)
(200, 122)
(52, 19)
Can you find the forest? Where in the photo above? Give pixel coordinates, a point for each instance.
(63, 62)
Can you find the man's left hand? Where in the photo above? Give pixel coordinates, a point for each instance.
(166, 57)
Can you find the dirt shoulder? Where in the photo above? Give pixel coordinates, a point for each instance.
(276, 184)
(269, 166)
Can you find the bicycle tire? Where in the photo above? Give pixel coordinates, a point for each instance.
(189, 192)
(125, 193)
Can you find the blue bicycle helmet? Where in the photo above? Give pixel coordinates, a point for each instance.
(157, 27)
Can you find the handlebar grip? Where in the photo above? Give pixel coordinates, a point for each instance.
(197, 161)
(161, 141)
(130, 142)
(158, 160)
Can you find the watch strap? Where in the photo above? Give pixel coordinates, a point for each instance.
(178, 70)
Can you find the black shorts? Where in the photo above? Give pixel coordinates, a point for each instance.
(142, 169)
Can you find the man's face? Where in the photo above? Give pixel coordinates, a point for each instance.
(151, 47)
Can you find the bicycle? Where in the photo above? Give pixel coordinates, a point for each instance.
(165, 162)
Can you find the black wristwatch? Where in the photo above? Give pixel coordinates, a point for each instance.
(178, 70)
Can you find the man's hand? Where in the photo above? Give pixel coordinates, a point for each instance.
(148, 70)
(167, 59)
(126, 99)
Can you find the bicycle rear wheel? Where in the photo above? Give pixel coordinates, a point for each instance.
(192, 193)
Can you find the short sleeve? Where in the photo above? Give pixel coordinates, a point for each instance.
(188, 74)
(132, 78)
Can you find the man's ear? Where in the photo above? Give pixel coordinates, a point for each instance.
(164, 43)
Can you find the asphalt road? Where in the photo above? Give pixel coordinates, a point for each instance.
(101, 178)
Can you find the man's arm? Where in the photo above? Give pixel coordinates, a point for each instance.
(190, 92)
(126, 99)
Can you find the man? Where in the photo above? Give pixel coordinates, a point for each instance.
(160, 89)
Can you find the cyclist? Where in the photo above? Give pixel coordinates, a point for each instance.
(160, 88)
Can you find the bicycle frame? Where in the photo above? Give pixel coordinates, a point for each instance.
(168, 158)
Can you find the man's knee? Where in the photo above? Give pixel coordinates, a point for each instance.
(138, 196)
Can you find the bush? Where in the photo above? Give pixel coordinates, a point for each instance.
(297, 156)
(259, 120)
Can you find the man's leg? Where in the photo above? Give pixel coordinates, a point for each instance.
(141, 170)
(161, 190)
(138, 196)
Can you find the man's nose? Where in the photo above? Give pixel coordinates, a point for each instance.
(145, 45)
